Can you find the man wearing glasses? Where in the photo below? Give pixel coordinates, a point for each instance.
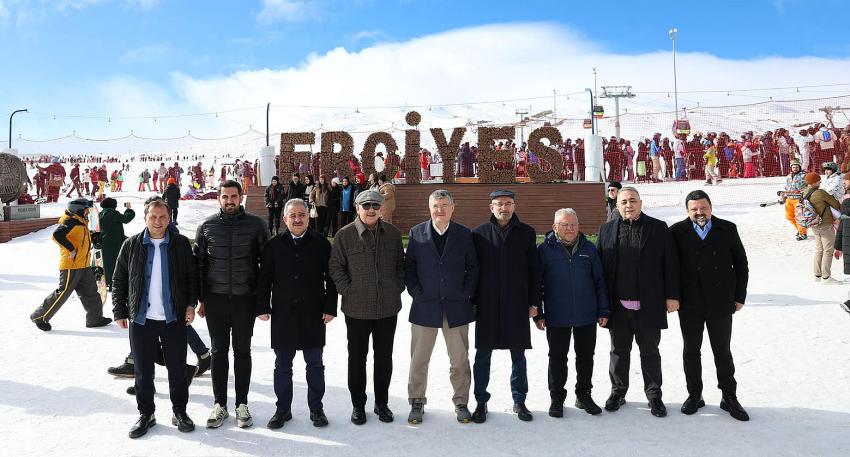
(573, 299)
(367, 266)
(507, 289)
(611, 200)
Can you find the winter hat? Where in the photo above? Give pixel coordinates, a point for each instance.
(615, 184)
(79, 205)
(831, 166)
(171, 181)
(109, 202)
(812, 178)
(796, 162)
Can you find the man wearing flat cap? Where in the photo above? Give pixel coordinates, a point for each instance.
(508, 283)
(367, 266)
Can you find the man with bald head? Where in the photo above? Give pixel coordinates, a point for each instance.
(641, 271)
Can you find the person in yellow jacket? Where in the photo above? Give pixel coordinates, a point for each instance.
(75, 273)
(710, 156)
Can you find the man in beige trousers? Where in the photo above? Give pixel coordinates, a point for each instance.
(441, 273)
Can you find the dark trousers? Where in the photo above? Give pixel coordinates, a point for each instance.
(196, 344)
(332, 220)
(283, 378)
(345, 218)
(230, 316)
(720, 336)
(383, 333)
(274, 218)
(80, 280)
(144, 343)
(626, 330)
(172, 213)
(559, 349)
(481, 375)
(321, 220)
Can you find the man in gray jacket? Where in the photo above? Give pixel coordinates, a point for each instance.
(367, 266)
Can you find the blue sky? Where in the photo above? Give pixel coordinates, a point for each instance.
(59, 53)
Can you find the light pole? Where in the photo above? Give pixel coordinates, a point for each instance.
(10, 123)
(672, 32)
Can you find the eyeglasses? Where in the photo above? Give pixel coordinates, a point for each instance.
(368, 206)
(567, 226)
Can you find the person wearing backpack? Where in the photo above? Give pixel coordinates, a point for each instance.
(822, 230)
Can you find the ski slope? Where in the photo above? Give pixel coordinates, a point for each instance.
(791, 344)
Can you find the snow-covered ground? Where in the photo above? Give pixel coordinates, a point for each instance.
(791, 344)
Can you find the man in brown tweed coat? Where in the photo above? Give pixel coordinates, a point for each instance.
(367, 266)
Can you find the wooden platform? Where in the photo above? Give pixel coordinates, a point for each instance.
(536, 203)
(14, 229)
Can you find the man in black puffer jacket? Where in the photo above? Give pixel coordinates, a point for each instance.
(227, 247)
(156, 298)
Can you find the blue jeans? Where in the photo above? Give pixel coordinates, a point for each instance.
(680, 167)
(481, 374)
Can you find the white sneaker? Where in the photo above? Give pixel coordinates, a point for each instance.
(243, 416)
(219, 414)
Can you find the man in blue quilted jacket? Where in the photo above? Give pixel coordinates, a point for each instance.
(573, 300)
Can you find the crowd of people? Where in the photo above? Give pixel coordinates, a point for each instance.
(238, 272)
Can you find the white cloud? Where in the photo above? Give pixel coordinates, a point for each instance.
(487, 63)
(4, 12)
(288, 11)
(490, 63)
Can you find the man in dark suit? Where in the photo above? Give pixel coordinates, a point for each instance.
(714, 286)
(642, 274)
(441, 273)
(508, 284)
(295, 289)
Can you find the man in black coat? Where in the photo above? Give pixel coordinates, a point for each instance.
(228, 247)
(714, 275)
(441, 274)
(642, 274)
(509, 278)
(294, 273)
(171, 195)
(156, 299)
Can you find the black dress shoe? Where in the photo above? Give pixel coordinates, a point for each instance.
(384, 413)
(318, 417)
(358, 415)
(522, 412)
(692, 404)
(183, 422)
(279, 419)
(657, 408)
(585, 402)
(730, 404)
(142, 425)
(614, 402)
(480, 414)
(132, 390)
(556, 409)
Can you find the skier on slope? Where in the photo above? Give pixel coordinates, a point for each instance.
(794, 185)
